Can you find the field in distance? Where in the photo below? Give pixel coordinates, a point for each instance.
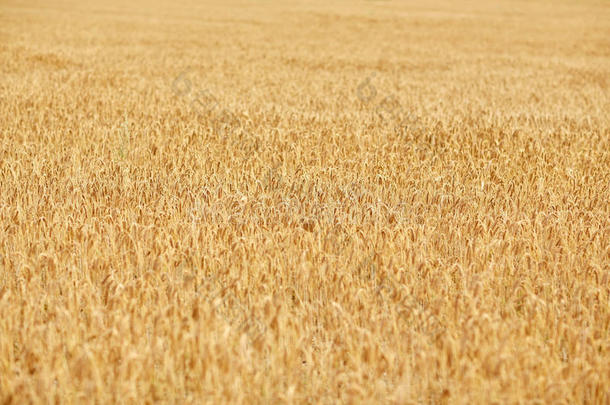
(304, 202)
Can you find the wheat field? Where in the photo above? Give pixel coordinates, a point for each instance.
(318, 202)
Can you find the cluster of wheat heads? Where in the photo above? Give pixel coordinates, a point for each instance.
(304, 202)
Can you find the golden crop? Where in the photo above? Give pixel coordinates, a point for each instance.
(304, 202)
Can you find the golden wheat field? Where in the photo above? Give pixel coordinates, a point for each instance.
(276, 202)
